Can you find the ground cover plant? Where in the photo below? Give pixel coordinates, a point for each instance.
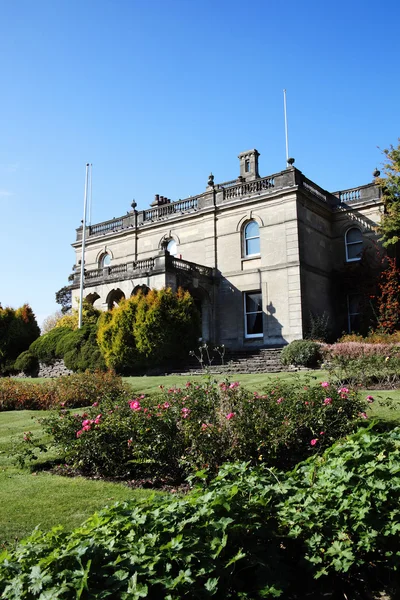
(252, 533)
(171, 433)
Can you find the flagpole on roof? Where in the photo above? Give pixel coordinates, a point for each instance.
(286, 128)
(83, 247)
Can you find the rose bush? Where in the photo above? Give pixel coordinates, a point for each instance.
(202, 426)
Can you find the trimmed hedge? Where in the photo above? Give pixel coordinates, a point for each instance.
(302, 353)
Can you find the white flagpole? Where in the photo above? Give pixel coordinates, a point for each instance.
(286, 128)
(83, 247)
(90, 195)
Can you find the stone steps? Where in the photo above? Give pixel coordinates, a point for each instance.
(265, 360)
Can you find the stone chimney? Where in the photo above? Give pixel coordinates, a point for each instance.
(249, 165)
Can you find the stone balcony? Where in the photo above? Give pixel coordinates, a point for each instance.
(161, 263)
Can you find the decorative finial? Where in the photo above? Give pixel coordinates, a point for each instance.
(211, 180)
(133, 204)
(290, 161)
(376, 173)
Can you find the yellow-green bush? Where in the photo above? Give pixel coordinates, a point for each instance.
(149, 330)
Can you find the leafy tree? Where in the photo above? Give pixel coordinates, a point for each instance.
(390, 224)
(389, 298)
(18, 329)
(51, 321)
(64, 297)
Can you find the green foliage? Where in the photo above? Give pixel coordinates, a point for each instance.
(18, 329)
(45, 347)
(331, 525)
(80, 350)
(301, 353)
(199, 426)
(147, 330)
(389, 298)
(64, 297)
(77, 390)
(90, 316)
(390, 224)
(319, 327)
(27, 363)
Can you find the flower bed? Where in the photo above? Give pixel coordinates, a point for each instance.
(201, 426)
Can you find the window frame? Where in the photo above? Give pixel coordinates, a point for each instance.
(245, 314)
(351, 315)
(347, 244)
(253, 237)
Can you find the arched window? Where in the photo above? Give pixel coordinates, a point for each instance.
(105, 260)
(354, 244)
(251, 239)
(172, 248)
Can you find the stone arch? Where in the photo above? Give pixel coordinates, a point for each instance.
(140, 288)
(100, 256)
(114, 298)
(91, 298)
(168, 237)
(249, 216)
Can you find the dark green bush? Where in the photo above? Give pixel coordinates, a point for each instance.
(18, 329)
(27, 363)
(301, 353)
(45, 347)
(329, 528)
(80, 350)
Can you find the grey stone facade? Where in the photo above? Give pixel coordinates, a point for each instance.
(258, 253)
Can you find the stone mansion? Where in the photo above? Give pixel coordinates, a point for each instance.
(258, 254)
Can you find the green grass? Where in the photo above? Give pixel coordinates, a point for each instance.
(40, 499)
(256, 382)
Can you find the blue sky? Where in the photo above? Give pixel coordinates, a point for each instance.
(156, 94)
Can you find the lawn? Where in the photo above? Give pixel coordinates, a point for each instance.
(39, 498)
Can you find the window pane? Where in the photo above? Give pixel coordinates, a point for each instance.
(354, 303)
(253, 246)
(354, 235)
(354, 250)
(106, 260)
(253, 302)
(251, 230)
(171, 247)
(254, 323)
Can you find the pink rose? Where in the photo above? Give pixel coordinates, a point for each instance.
(370, 399)
(363, 415)
(325, 384)
(229, 416)
(314, 441)
(327, 401)
(279, 400)
(135, 405)
(95, 404)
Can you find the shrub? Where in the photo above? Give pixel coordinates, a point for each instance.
(147, 330)
(45, 347)
(27, 363)
(204, 425)
(363, 363)
(330, 526)
(18, 329)
(71, 391)
(301, 353)
(80, 350)
(319, 328)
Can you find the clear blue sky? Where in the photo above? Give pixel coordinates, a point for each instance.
(158, 93)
